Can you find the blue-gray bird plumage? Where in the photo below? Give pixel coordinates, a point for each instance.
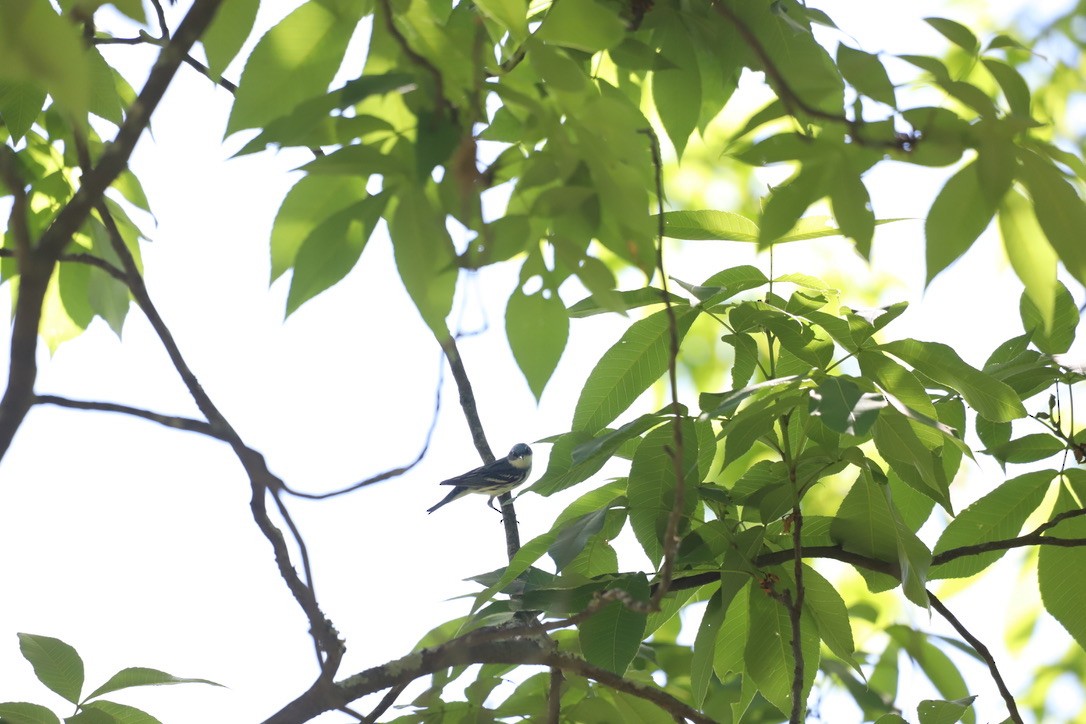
(492, 479)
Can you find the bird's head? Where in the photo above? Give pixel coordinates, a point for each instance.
(520, 456)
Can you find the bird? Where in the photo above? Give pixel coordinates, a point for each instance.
(493, 479)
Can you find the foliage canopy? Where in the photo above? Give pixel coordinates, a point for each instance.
(541, 136)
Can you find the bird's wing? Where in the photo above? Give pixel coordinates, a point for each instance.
(469, 475)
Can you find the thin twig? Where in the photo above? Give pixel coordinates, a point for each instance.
(172, 421)
(789, 97)
(382, 706)
(795, 614)
(161, 14)
(414, 57)
(395, 472)
(983, 652)
(671, 535)
(81, 258)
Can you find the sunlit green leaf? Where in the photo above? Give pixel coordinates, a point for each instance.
(1057, 336)
(628, 368)
(294, 61)
(332, 249)
(1063, 588)
(956, 33)
(227, 32)
(1059, 209)
(866, 74)
(537, 327)
(989, 397)
(585, 25)
(999, 515)
(1031, 256)
(959, 214)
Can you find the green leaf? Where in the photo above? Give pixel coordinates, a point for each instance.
(294, 61)
(956, 33)
(959, 214)
(581, 24)
(844, 407)
(1056, 336)
(510, 14)
(562, 472)
(1027, 449)
(676, 92)
(1014, 86)
(827, 608)
(701, 665)
(866, 74)
(1032, 257)
(851, 204)
(628, 368)
(768, 651)
(1059, 209)
(899, 444)
(573, 537)
(20, 104)
(867, 522)
(56, 664)
(935, 664)
(39, 46)
(21, 712)
(999, 515)
(537, 328)
(332, 249)
(140, 676)
(746, 357)
(788, 201)
(720, 225)
(228, 31)
(932, 711)
(611, 637)
(1059, 570)
(989, 397)
(312, 201)
(102, 711)
(630, 300)
(424, 257)
(651, 486)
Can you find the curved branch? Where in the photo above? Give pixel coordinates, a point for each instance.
(485, 646)
(174, 421)
(982, 651)
(394, 472)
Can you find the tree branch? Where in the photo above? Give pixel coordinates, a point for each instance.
(475, 425)
(395, 472)
(177, 423)
(484, 646)
(982, 651)
(37, 267)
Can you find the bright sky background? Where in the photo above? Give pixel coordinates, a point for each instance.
(134, 542)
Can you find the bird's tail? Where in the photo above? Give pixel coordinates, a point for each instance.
(453, 495)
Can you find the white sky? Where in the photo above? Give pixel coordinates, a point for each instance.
(135, 544)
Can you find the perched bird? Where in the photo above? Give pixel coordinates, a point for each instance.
(493, 479)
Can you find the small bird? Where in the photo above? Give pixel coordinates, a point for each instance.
(493, 479)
